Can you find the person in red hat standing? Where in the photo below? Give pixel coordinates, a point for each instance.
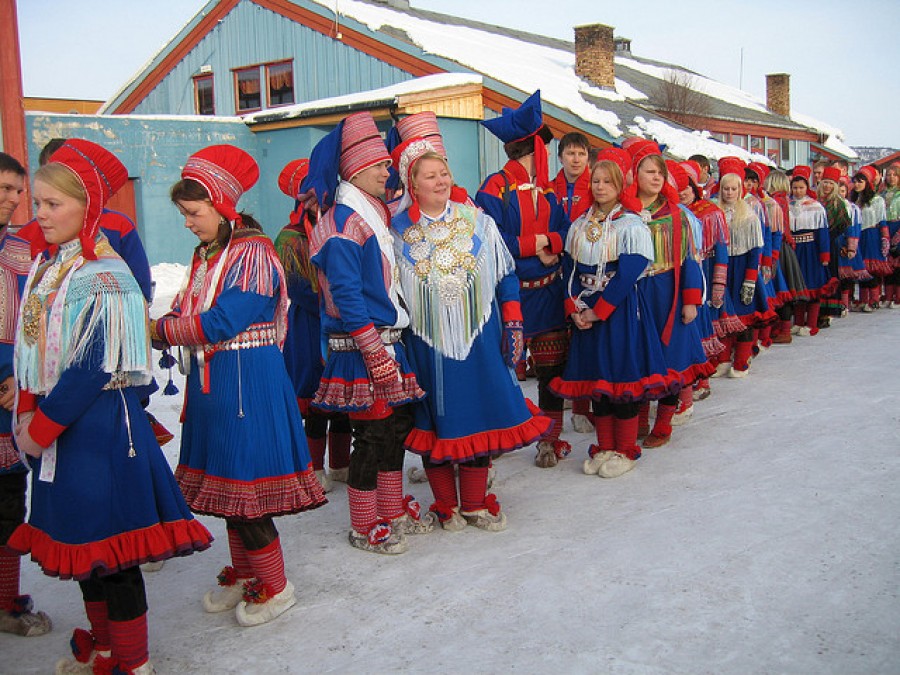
(243, 451)
(892, 205)
(673, 284)
(615, 357)
(809, 230)
(103, 498)
(367, 372)
(874, 240)
(534, 227)
(713, 252)
(745, 247)
(302, 346)
(572, 187)
(844, 235)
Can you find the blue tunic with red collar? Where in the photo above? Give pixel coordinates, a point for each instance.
(523, 211)
(357, 277)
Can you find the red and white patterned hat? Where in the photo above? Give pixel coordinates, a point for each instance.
(361, 145)
(226, 172)
(423, 125)
(100, 173)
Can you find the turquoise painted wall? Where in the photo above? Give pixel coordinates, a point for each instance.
(154, 149)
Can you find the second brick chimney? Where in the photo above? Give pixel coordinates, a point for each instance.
(778, 93)
(594, 50)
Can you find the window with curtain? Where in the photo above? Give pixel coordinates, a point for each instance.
(247, 86)
(204, 98)
(280, 81)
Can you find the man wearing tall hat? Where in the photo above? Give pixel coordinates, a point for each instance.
(367, 374)
(534, 226)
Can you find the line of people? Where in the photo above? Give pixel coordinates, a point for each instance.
(393, 310)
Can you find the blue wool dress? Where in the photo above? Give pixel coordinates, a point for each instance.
(620, 356)
(681, 343)
(243, 449)
(474, 406)
(809, 228)
(103, 496)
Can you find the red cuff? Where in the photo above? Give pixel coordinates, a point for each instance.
(603, 309)
(825, 258)
(751, 275)
(27, 401)
(184, 330)
(511, 311)
(691, 296)
(556, 242)
(570, 307)
(43, 430)
(766, 261)
(527, 246)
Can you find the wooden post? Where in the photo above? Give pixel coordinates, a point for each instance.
(12, 107)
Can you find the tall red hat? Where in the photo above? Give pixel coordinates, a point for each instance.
(622, 159)
(802, 171)
(693, 170)
(733, 165)
(422, 125)
(678, 177)
(226, 172)
(100, 173)
(760, 169)
(361, 145)
(832, 173)
(292, 175)
(869, 172)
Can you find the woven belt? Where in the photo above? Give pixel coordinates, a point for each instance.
(709, 253)
(653, 271)
(342, 342)
(257, 335)
(596, 283)
(806, 238)
(541, 281)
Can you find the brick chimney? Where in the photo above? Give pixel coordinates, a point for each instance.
(594, 50)
(778, 93)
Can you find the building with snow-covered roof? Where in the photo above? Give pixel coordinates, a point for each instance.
(274, 76)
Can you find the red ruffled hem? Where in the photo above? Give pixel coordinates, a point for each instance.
(645, 389)
(728, 325)
(78, 561)
(249, 500)
(486, 443)
(879, 268)
(357, 395)
(712, 346)
(759, 318)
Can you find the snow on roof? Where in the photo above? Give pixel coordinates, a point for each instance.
(704, 85)
(835, 137)
(535, 66)
(682, 144)
(419, 84)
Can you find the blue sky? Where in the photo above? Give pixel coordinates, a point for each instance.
(839, 54)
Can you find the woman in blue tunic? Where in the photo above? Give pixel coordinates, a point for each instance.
(615, 355)
(809, 229)
(243, 451)
(303, 344)
(745, 246)
(673, 284)
(459, 281)
(103, 498)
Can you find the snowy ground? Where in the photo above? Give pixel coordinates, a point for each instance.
(762, 539)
